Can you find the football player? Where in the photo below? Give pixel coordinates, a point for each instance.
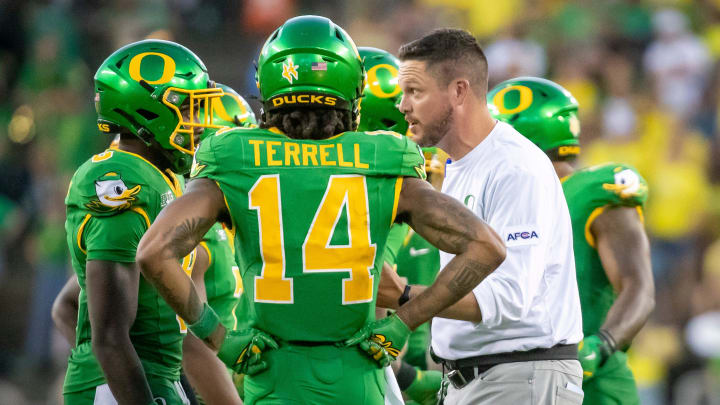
(379, 112)
(217, 277)
(310, 202)
(612, 255)
(221, 283)
(128, 342)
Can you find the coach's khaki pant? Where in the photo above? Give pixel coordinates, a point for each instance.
(548, 382)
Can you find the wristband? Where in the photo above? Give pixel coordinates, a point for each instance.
(405, 297)
(206, 324)
(610, 345)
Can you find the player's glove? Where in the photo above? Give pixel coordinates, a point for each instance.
(242, 350)
(382, 340)
(593, 351)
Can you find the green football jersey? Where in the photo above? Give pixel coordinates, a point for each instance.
(394, 243)
(418, 260)
(222, 284)
(310, 219)
(588, 193)
(111, 202)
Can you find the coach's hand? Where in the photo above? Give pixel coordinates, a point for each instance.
(242, 350)
(592, 353)
(382, 340)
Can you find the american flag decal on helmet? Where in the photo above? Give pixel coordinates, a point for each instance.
(319, 66)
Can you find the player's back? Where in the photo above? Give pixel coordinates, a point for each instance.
(311, 220)
(589, 192)
(112, 199)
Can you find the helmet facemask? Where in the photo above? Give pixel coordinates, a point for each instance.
(193, 108)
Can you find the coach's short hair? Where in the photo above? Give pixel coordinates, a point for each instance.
(450, 53)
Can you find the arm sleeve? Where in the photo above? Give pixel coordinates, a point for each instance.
(514, 210)
(114, 238)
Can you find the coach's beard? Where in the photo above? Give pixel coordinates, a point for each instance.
(434, 133)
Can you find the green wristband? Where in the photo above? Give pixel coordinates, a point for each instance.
(206, 324)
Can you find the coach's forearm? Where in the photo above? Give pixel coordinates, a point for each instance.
(463, 273)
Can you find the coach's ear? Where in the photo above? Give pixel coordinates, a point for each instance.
(458, 90)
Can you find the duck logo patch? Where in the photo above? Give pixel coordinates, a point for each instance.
(627, 183)
(112, 194)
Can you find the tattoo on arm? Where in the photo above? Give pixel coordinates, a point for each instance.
(186, 236)
(439, 218)
(470, 276)
(453, 228)
(189, 307)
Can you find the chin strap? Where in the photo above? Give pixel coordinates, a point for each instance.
(171, 160)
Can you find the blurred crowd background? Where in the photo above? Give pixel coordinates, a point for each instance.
(646, 74)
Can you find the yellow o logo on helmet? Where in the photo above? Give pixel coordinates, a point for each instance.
(168, 68)
(374, 83)
(220, 111)
(526, 99)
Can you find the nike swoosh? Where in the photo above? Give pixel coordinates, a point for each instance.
(419, 252)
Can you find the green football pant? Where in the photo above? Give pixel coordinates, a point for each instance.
(613, 384)
(417, 347)
(323, 374)
(164, 391)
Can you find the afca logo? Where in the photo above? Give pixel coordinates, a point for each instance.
(522, 235)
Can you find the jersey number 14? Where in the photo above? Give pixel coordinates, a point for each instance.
(344, 192)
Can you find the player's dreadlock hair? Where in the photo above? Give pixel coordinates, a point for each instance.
(305, 123)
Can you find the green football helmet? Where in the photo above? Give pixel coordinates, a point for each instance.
(541, 110)
(310, 62)
(232, 111)
(142, 87)
(382, 93)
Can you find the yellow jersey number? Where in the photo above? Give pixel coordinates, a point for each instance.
(344, 192)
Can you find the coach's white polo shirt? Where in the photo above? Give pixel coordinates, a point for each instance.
(531, 300)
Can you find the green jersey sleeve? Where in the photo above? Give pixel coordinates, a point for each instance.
(413, 160)
(622, 185)
(107, 186)
(204, 162)
(114, 238)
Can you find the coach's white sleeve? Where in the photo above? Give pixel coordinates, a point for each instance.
(514, 207)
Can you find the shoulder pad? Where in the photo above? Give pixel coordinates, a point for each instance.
(400, 150)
